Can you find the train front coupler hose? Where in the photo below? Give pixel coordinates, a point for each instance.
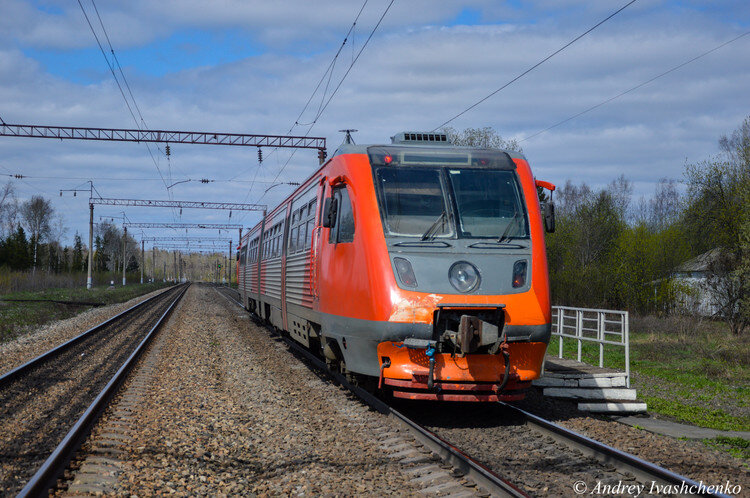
(505, 351)
(430, 352)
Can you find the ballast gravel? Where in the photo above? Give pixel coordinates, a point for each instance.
(231, 412)
(50, 335)
(689, 458)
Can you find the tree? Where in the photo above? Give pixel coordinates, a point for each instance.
(486, 137)
(77, 261)
(8, 209)
(16, 250)
(37, 216)
(717, 217)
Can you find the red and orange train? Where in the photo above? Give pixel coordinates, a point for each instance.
(417, 264)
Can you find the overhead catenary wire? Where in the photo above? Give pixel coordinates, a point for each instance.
(119, 86)
(127, 85)
(636, 87)
(338, 86)
(527, 71)
(327, 73)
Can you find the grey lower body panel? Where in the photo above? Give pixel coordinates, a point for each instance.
(531, 333)
(358, 339)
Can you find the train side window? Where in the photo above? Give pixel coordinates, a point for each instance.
(343, 230)
(302, 236)
(293, 240)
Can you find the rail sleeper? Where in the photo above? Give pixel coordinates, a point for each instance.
(99, 469)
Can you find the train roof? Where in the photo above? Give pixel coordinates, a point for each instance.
(346, 148)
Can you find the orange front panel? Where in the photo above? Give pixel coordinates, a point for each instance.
(406, 364)
(356, 279)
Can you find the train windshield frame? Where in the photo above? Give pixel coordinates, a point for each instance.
(448, 194)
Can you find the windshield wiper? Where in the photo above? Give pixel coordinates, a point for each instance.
(511, 224)
(495, 244)
(422, 243)
(430, 233)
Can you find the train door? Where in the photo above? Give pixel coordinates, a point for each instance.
(316, 244)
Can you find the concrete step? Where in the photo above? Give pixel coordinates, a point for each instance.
(623, 407)
(560, 381)
(590, 393)
(581, 374)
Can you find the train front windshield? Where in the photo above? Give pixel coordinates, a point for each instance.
(448, 194)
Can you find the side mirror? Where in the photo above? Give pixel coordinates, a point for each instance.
(549, 217)
(330, 210)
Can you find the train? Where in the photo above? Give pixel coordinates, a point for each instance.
(418, 268)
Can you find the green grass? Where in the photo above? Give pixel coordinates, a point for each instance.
(735, 446)
(696, 414)
(16, 318)
(690, 370)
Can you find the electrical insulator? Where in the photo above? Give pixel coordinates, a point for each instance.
(321, 155)
(230, 214)
(260, 155)
(167, 151)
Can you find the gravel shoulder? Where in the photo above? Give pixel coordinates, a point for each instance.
(230, 412)
(46, 337)
(690, 458)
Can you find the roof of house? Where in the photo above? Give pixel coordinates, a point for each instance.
(700, 262)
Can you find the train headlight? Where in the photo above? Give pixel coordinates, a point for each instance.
(519, 273)
(405, 272)
(464, 276)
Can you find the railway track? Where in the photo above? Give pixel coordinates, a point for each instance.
(49, 404)
(567, 463)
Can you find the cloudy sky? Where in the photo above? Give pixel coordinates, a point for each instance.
(251, 66)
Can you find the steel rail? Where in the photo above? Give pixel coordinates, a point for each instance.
(643, 470)
(11, 375)
(47, 475)
(477, 472)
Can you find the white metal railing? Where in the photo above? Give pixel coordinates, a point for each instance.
(593, 325)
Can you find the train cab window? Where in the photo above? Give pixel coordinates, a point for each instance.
(343, 230)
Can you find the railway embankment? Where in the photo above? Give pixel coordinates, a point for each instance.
(26, 313)
(221, 406)
(227, 409)
(39, 338)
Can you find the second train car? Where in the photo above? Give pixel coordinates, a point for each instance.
(417, 266)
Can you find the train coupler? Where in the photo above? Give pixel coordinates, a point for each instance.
(416, 370)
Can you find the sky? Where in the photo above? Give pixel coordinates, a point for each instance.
(240, 66)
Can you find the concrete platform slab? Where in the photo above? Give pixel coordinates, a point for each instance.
(554, 365)
(678, 430)
(613, 407)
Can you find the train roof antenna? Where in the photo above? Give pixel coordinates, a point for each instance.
(348, 139)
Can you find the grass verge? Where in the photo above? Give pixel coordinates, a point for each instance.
(18, 317)
(735, 446)
(687, 369)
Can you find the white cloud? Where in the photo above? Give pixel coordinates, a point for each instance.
(415, 74)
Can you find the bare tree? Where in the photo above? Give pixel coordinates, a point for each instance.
(8, 209)
(728, 288)
(737, 146)
(621, 190)
(664, 206)
(486, 137)
(37, 216)
(718, 217)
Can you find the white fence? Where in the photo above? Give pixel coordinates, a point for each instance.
(600, 326)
